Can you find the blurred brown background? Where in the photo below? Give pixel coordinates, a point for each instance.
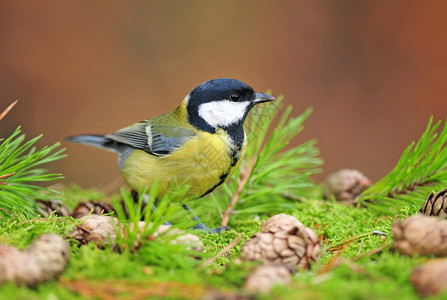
(374, 71)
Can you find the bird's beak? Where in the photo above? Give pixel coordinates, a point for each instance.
(260, 98)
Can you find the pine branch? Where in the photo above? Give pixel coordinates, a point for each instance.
(19, 162)
(269, 170)
(138, 237)
(6, 111)
(152, 208)
(421, 168)
(245, 175)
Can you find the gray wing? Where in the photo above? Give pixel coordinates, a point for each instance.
(158, 141)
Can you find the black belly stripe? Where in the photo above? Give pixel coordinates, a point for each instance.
(234, 159)
(222, 180)
(235, 155)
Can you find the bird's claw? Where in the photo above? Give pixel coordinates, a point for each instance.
(204, 228)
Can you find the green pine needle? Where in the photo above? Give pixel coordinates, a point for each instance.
(421, 169)
(19, 171)
(137, 237)
(276, 171)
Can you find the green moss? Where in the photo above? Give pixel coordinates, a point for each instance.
(382, 275)
(51, 290)
(20, 231)
(74, 194)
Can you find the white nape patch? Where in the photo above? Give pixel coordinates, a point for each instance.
(223, 112)
(186, 100)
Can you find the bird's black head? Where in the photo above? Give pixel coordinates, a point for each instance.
(221, 89)
(222, 103)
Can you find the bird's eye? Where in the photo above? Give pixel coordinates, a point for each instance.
(235, 97)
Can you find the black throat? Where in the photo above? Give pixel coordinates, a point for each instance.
(236, 133)
(197, 121)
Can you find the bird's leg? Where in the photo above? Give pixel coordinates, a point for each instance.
(201, 226)
(154, 208)
(135, 196)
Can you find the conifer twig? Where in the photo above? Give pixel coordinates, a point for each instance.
(421, 168)
(270, 170)
(374, 251)
(6, 111)
(223, 251)
(242, 181)
(6, 176)
(355, 238)
(19, 171)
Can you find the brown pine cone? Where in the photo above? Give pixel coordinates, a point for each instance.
(280, 222)
(430, 279)
(420, 234)
(435, 204)
(345, 185)
(283, 240)
(264, 277)
(59, 208)
(51, 252)
(43, 260)
(18, 267)
(192, 241)
(96, 207)
(100, 230)
(175, 236)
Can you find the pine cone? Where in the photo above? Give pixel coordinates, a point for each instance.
(280, 222)
(96, 207)
(430, 279)
(178, 236)
(192, 241)
(18, 267)
(43, 260)
(97, 229)
(51, 253)
(435, 204)
(266, 276)
(59, 208)
(346, 185)
(283, 240)
(419, 234)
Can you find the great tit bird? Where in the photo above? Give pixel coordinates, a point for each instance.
(200, 143)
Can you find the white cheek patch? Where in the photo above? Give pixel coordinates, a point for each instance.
(223, 112)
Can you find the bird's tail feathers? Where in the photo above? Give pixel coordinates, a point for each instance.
(98, 141)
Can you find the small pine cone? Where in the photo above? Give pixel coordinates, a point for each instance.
(97, 229)
(435, 204)
(43, 260)
(95, 207)
(51, 252)
(285, 240)
(419, 234)
(59, 208)
(16, 266)
(192, 241)
(280, 222)
(264, 277)
(346, 185)
(431, 279)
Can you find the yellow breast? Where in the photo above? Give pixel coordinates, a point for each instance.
(202, 163)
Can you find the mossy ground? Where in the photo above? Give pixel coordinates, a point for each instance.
(347, 271)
